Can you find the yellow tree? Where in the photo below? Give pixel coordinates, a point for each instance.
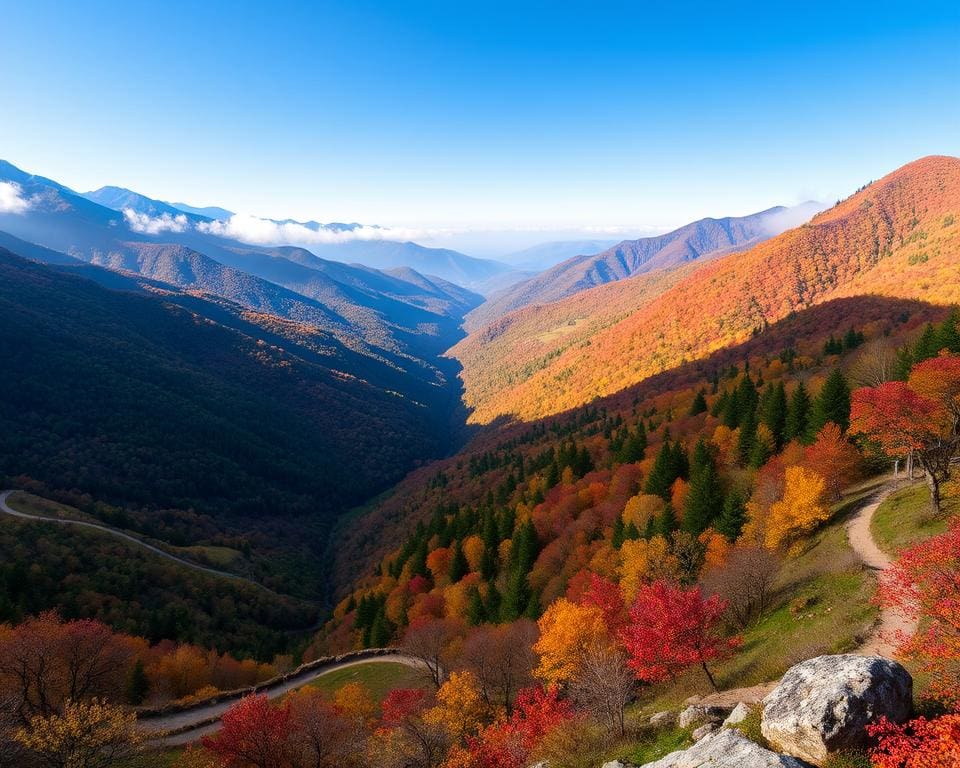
(90, 734)
(460, 708)
(567, 631)
(354, 701)
(645, 561)
(801, 509)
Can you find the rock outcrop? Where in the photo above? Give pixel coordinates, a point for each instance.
(740, 713)
(698, 714)
(824, 704)
(726, 748)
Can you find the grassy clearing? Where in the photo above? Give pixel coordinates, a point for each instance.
(21, 501)
(219, 557)
(378, 677)
(905, 518)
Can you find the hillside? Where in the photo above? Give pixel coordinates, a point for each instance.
(897, 237)
(172, 402)
(697, 241)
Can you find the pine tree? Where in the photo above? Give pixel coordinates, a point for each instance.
(852, 339)
(699, 404)
(380, 631)
(476, 611)
(747, 440)
(680, 464)
(948, 336)
(831, 404)
(774, 413)
(666, 522)
(632, 533)
(661, 474)
(618, 532)
(491, 607)
(516, 598)
(650, 529)
(927, 345)
(138, 684)
(798, 414)
(732, 518)
(458, 564)
(705, 497)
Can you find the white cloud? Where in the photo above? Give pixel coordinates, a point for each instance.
(252, 229)
(154, 225)
(12, 199)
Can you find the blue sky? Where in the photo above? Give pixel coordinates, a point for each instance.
(548, 116)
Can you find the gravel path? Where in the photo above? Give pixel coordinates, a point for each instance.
(892, 623)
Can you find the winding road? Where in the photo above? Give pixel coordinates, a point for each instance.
(190, 725)
(7, 509)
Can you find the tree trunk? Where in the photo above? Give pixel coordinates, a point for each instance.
(706, 671)
(934, 484)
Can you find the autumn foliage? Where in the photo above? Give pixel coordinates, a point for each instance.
(672, 629)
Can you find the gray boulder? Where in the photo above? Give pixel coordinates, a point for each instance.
(663, 719)
(740, 713)
(703, 731)
(617, 764)
(824, 704)
(698, 714)
(726, 749)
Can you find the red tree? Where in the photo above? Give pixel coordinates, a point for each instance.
(922, 415)
(925, 583)
(253, 733)
(606, 596)
(672, 628)
(509, 744)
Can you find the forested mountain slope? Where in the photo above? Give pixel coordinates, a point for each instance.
(240, 422)
(898, 236)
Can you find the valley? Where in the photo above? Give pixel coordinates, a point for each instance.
(256, 460)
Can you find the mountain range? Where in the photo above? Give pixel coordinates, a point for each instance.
(334, 241)
(697, 241)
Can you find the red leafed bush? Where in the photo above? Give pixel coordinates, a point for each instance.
(921, 743)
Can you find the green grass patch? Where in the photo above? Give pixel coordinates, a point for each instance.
(905, 517)
(219, 557)
(378, 677)
(659, 744)
(21, 501)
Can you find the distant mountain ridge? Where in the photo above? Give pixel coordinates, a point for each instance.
(699, 240)
(376, 252)
(897, 237)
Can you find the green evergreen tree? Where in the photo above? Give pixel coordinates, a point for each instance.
(661, 474)
(948, 335)
(798, 414)
(631, 533)
(705, 497)
(491, 607)
(516, 598)
(732, 518)
(618, 532)
(747, 440)
(831, 404)
(650, 529)
(458, 564)
(138, 684)
(927, 345)
(666, 522)
(476, 611)
(774, 413)
(380, 631)
(699, 404)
